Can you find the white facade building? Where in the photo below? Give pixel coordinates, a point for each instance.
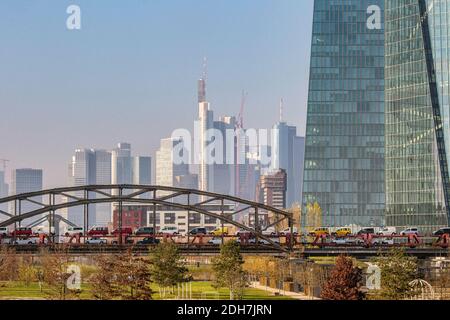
(166, 168)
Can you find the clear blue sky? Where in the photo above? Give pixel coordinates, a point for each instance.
(130, 74)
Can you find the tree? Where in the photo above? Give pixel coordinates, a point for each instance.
(297, 216)
(228, 270)
(257, 267)
(27, 273)
(397, 271)
(105, 280)
(8, 264)
(134, 277)
(55, 274)
(344, 281)
(123, 276)
(168, 267)
(295, 213)
(314, 215)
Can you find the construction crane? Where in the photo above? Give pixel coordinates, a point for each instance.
(242, 179)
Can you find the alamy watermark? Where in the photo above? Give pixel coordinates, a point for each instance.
(73, 282)
(73, 21)
(374, 19)
(231, 146)
(373, 280)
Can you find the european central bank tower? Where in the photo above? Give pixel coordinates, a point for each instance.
(345, 136)
(417, 113)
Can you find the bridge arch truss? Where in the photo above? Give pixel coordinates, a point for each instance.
(49, 202)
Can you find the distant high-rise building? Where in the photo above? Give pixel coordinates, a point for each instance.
(298, 166)
(344, 152)
(142, 170)
(82, 168)
(82, 172)
(103, 161)
(224, 172)
(246, 172)
(273, 187)
(166, 168)
(122, 164)
(25, 181)
(264, 157)
(103, 170)
(206, 169)
(286, 150)
(4, 190)
(90, 167)
(417, 114)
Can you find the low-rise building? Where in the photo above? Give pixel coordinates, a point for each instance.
(141, 215)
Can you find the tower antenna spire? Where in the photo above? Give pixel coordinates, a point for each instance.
(202, 82)
(205, 69)
(281, 109)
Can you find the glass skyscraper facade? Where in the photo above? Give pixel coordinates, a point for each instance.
(344, 153)
(417, 113)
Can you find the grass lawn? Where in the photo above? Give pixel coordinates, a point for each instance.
(200, 290)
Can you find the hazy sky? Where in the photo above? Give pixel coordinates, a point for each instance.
(130, 74)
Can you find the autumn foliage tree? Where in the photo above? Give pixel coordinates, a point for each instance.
(8, 264)
(344, 281)
(55, 274)
(134, 276)
(313, 215)
(123, 276)
(27, 272)
(104, 281)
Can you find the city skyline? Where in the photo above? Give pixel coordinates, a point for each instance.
(132, 86)
(203, 150)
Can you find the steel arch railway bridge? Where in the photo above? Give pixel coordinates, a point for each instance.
(49, 202)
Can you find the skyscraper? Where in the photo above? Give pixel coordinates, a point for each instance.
(224, 172)
(121, 164)
(417, 113)
(344, 152)
(102, 177)
(285, 150)
(24, 181)
(82, 172)
(298, 159)
(90, 167)
(273, 187)
(166, 168)
(205, 121)
(102, 167)
(4, 190)
(82, 169)
(142, 170)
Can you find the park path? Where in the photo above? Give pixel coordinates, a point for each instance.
(294, 295)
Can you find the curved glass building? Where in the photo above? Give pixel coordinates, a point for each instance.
(417, 113)
(344, 152)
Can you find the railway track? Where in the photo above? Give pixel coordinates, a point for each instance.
(300, 251)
